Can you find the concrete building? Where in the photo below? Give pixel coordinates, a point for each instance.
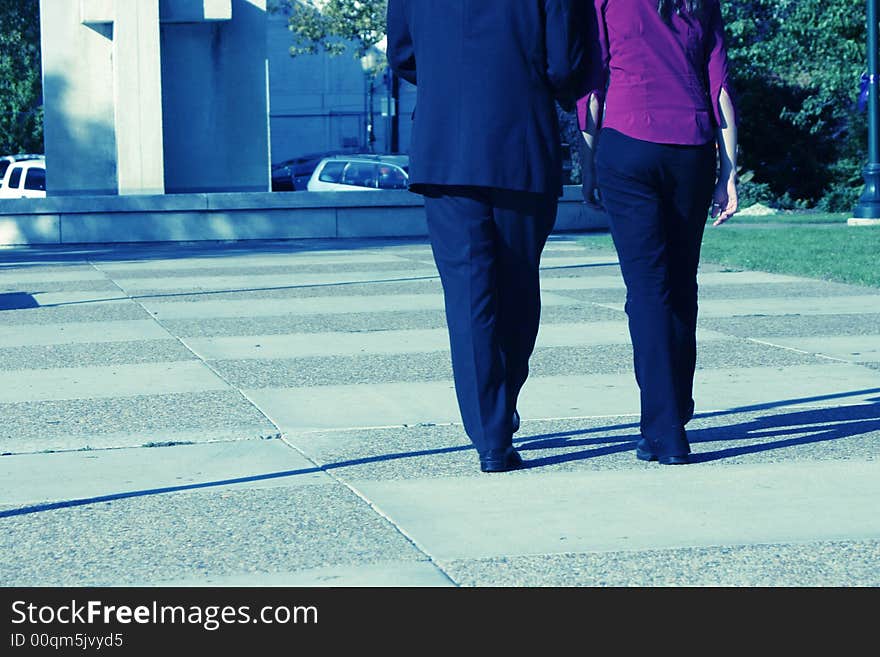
(157, 129)
(319, 103)
(155, 96)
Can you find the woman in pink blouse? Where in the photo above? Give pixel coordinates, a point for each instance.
(659, 91)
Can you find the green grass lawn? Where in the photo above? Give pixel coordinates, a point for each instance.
(793, 217)
(797, 244)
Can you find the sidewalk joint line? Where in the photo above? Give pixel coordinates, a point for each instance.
(198, 356)
(147, 445)
(280, 435)
(376, 509)
(800, 351)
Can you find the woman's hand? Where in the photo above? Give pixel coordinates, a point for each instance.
(589, 188)
(724, 200)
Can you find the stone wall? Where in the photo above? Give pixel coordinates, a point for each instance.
(236, 216)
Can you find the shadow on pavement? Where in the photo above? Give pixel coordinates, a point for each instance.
(789, 429)
(31, 256)
(131, 297)
(51, 506)
(802, 427)
(41, 256)
(17, 301)
(199, 293)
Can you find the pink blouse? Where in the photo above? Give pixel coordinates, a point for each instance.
(659, 82)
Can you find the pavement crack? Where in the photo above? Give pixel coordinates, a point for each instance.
(376, 509)
(192, 351)
(280, 433)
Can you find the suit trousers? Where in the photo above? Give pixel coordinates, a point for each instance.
(657, 197)
(487, 245)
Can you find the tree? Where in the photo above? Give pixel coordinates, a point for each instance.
(21, 96)
(796, 66)
(336, 27)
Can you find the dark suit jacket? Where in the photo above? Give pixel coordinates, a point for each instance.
(487, 73)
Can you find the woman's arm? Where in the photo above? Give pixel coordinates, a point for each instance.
(724, 199)
(589, 107)
(590, 133)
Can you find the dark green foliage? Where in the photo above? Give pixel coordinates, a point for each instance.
(750, 192)
(796, 67)
(335, 26)
(840, 198)
(21, 111)
(667, 7)
(571, 136)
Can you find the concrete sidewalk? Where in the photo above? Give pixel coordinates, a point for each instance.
(282, 413)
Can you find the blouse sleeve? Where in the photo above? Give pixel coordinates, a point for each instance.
(718, 71)
(597, 69)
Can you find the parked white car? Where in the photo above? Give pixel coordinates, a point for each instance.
(24, 179)
(6, 160)
(352, 173)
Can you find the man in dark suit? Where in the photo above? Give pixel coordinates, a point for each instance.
(486, 155)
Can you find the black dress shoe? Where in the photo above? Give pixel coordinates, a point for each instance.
(500, 460)
(515, 422)
(644, 453)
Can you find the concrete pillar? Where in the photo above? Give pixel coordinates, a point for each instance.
(78, 108)
(214, 82)
(194, 11)
(148, 96)
(138, 97)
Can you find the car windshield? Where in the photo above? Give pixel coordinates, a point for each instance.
(332, 172)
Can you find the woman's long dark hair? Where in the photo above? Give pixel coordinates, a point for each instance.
(666, 7)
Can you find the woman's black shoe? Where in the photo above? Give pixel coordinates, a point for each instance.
(500, 460)
(644, 453)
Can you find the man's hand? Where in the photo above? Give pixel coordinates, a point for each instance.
(588, 187)
(592, 197)
(566, 103)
